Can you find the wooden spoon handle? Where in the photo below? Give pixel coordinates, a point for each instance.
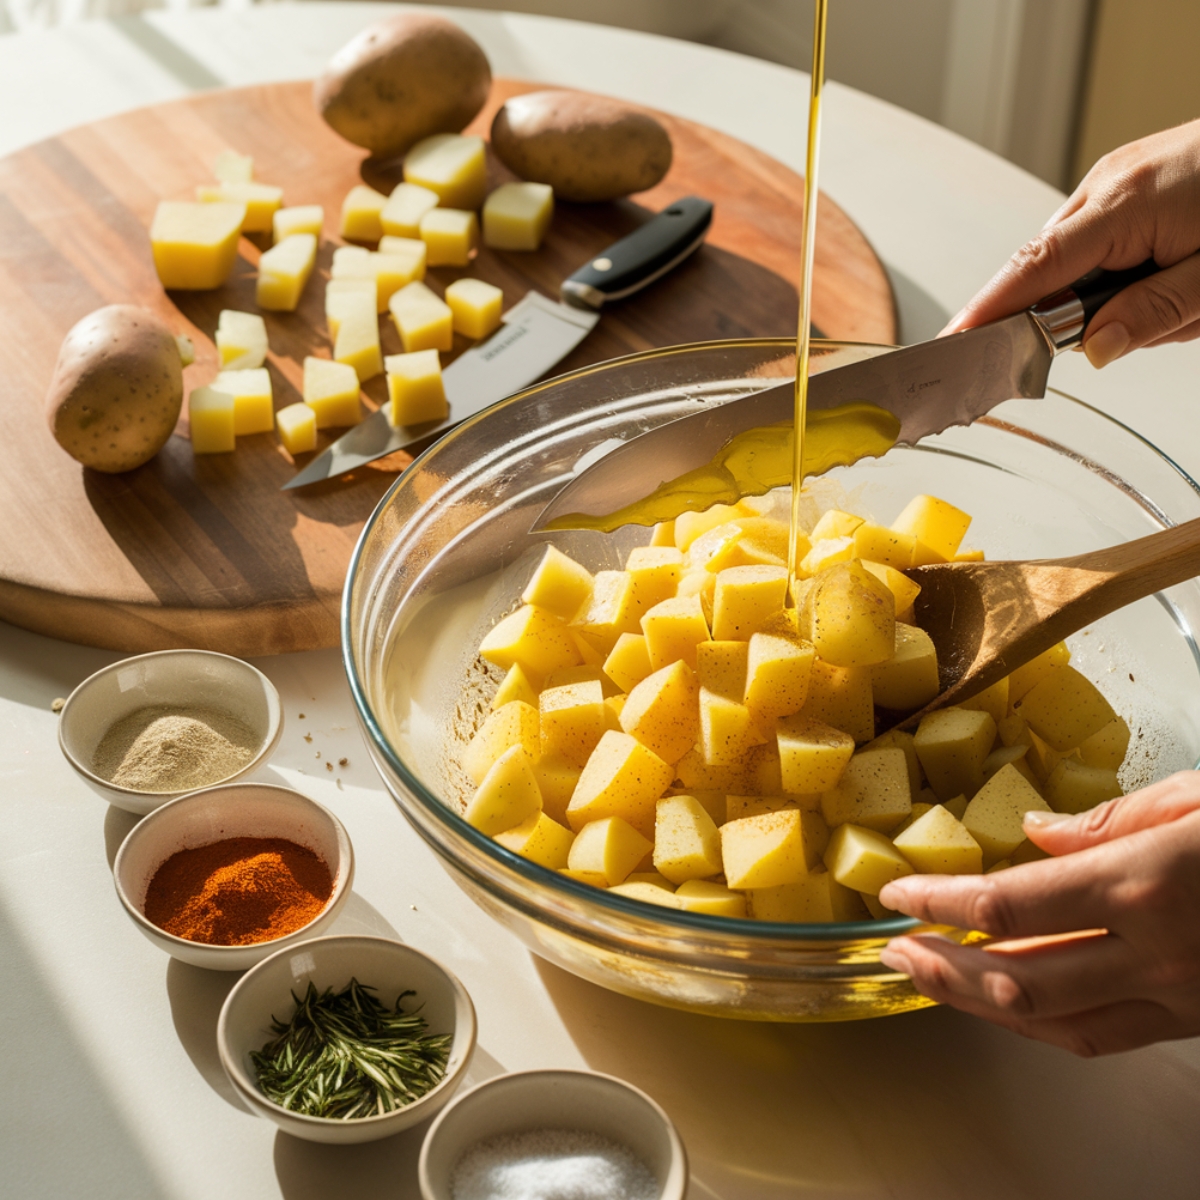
(1147, 565)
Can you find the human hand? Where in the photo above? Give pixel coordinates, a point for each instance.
(1141, 201)
(1130, 866)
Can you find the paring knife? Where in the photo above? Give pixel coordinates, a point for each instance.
(535, 334)
(928, 387)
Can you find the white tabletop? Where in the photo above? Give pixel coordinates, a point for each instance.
(109, 1080)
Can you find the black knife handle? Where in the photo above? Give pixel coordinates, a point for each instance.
(640, 258)
(1066, 315)
(1098, 287)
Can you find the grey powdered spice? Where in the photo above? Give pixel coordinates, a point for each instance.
(164, 749)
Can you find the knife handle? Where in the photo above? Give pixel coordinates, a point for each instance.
(629, 265)
(1066, 315)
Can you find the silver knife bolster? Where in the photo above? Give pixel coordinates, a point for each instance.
(1061, 319)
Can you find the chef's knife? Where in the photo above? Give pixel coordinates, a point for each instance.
(928, 387)
(536, 333)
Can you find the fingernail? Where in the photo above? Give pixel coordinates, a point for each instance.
(952, 325)
(895, 960)
(1107, 344)
(1038, 819)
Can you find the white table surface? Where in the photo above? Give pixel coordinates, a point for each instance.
(109, 1080)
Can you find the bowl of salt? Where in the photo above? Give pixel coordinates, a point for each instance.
(553, 1135)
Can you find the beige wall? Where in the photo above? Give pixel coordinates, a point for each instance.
(1144, 74)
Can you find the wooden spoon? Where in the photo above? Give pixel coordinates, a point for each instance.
(988, 618)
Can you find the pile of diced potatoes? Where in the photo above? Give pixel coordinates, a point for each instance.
(677, 733)
(429, 220)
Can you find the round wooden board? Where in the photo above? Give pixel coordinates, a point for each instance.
(207, 551)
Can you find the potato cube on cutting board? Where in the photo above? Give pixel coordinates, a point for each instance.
(507, 795)
(357, 341)
(622, 778)
(673, 630)
(331, 391)
(393, 271)
(572, 721)
(609, 848)
(302, 218)
(935, 524)
(407, 204)
(195, 245)
(515, 724)
(241, 340)
(863, 859)
(297, 427)
(662, 712)
(745, 599)
(451, 236)
(253, 409)
(450, 165)
(361, 210)
(539, 839)
(517, 215)
(284, 270)
(937, 843)
(952, 744)
(764, 851)
(336, 304)
(705, 896)
(476, 306)
(873, 792)
(778, 670)
(412, 249)
(559, 584)
(1074, 787)
(262, 201)
(1065, 708)
(909, 679)
(628, 663)
(812, 755)
(687, 842)
(231, 167)
(535, 638)
(423, 320)
(415, 388)
(841, 697)
(994, 816)
(210, 421)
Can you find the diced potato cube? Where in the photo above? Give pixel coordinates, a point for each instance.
(1027, 852)
(994, 817)
(806, 902)
(297, 426)
(210, 421)
(956, 808)
(695, 775)
(937, 843)
(514, 724)
(587, 673)
(841, 697)
(452, 166)
(611, 611)
(451, 236)
(331, 391)
(262, 202)
(727, 729)
(560, 585)
(302, 218)
(1042, 758)
(609, 847)
(556, 779)
(663, 534)
(778, 670)
(655, 571)
(705, 896)
(1074, 787)
(662, 712)
(829, 552)
(873, 792)
(760, 542)
(764, 851)
(687, 842)
(864, 859)
(410, 247)
(992, 700)
(361, 211)
(195, 245)
(394, 271)
(933, 523)
(415, 388)
(879, 912)
(691, 525)
(850, 617)
(231, 167)
(408, 203)
(699, 583)
(572, 721)
(721, 668)
(540, 840)
(673, 630)
(515, 685)
(517, 215)
(283, 271)
(253, 409)
(745, 599)
(623, 779)
(357, 342)
(1107, 746)
(901, 739)
(909, 679)
(647, 893)
(628, 663)
(650, 877)
(241, 340)
(903, 590)
(344, 296)
(812, 755)
(737, 807)
(507, 795)
(1034, 671)
(878, 544)
(713, 803)
(423, 320)
(835, 524)
(1002, 756)
(535, 638)
(919, 809)
(1065, 708)
(952, 744)
(476, 306)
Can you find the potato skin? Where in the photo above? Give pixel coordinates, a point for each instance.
(117, 388)
(401, 80)
(587, 148)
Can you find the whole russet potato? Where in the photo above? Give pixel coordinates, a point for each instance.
(587, 148)
(401, 80)
(117, 388)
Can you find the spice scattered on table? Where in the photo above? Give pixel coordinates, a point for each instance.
(238, 891)
(552, 1164)
(59, 703)
(164, 749)
(346, 1055)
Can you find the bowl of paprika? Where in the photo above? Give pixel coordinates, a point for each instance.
(224, 877)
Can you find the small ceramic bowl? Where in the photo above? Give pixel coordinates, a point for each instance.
(231, 810)
(177, 679)
(575, 1100)
(390, 967)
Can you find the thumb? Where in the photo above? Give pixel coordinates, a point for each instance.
(1159, 804)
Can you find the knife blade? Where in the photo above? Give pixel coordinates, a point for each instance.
(535, 334)
(927, 387)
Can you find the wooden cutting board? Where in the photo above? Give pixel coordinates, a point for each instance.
(207, 551)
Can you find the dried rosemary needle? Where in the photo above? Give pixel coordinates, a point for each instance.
(345, 1055)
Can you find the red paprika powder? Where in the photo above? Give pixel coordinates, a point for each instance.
(238, 891)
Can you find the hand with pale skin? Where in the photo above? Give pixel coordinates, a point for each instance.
(1141, 201)
(1130, 867)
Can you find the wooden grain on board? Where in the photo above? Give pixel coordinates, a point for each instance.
(206, 551)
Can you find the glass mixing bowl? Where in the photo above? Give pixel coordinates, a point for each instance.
(448, 551)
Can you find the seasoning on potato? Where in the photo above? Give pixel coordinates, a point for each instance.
(117, 388)
(587, 148)
(401, 80)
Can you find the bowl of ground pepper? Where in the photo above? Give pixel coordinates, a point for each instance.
(225, 877)
(147, 729)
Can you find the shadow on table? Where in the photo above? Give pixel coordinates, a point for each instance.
(117, 825)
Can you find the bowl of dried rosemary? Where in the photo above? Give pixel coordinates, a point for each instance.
(347, 1039)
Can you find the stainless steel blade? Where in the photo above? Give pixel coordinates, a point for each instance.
(929, 387)
(536, 334)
